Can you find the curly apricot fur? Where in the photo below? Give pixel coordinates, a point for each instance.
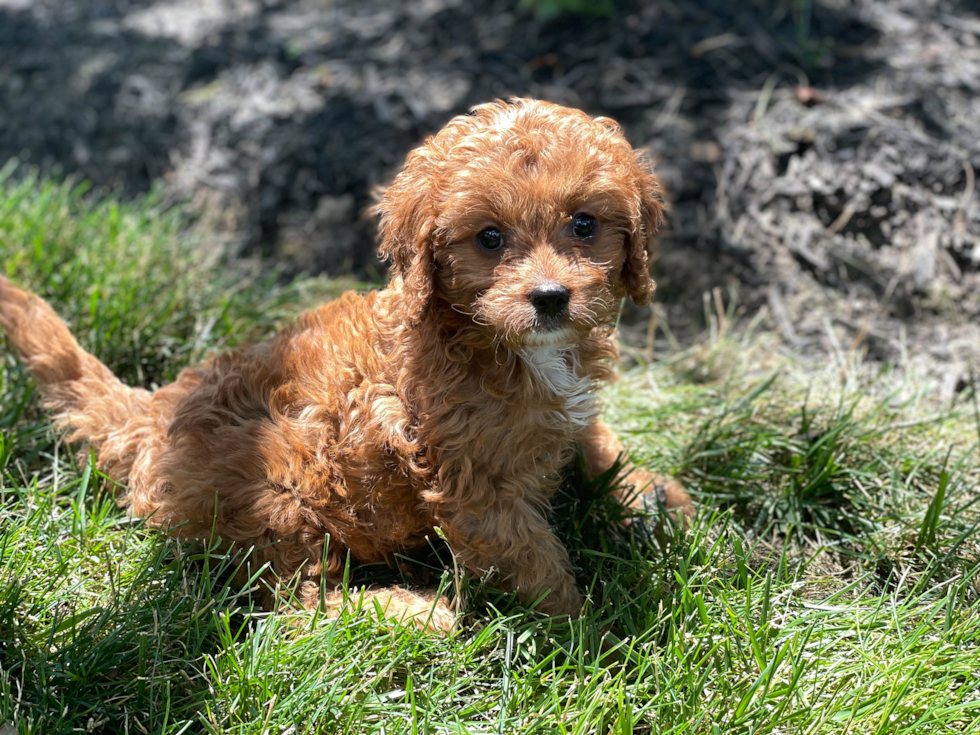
(446, 399)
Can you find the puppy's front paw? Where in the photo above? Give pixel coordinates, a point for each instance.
(652, 489)
(565, 601)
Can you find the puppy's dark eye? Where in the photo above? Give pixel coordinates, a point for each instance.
(490, 239)
(584, 225)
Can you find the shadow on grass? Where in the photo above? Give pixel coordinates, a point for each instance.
(134, 660)
(110, 627)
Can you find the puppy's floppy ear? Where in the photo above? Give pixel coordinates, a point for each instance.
(640, 245)
(407, 230)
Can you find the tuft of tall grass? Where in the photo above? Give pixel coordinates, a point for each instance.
(546, 10)
(142, 290)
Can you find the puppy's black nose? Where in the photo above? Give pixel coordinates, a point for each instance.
(550, 299)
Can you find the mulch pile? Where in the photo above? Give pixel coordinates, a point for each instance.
(868, 191)
(822, 156)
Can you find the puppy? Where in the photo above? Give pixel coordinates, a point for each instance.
(452, 398)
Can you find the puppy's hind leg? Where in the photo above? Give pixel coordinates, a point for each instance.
(423, 609)
(319, 585)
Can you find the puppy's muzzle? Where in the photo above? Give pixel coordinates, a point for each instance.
(550, 300)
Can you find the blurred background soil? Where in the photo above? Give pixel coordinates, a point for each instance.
(821, 157)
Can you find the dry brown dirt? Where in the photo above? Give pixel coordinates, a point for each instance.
(821, 156)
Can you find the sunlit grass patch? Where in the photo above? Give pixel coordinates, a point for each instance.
(871, 468)
(143, 291)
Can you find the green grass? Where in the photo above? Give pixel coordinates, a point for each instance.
(828, 586)
(547, 10)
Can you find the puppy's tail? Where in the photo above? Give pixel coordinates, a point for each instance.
(86, 397)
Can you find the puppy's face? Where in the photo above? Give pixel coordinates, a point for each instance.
(530, 219)
(532, 251)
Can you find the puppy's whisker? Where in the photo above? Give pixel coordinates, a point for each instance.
(588, 312)
(496, 352)
(460, 309)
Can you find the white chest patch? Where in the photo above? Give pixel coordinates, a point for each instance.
(557, 369)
